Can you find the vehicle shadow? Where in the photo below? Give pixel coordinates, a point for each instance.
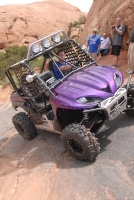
(122, 121)
(47, 149)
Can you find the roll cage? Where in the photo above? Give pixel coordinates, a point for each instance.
(48, 48)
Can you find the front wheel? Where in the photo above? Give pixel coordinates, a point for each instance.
(80, 142)
(129, 112)
(24, 125)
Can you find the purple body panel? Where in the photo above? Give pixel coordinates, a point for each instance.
(89, 82)
(18, 101)
(16, 98)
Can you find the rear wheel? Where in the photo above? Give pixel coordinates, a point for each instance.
(130, 102)
(80, 142)
(24, 125)
(131, 91)
(129, 112)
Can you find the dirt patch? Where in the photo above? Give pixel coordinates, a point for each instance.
(5, 93)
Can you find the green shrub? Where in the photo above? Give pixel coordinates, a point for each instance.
(20, 52)
(2, 56)
(36, 64)
(80, 21)
(12, 55)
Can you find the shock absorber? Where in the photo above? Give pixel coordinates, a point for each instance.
(86, 117)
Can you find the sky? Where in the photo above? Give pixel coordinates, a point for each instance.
(83, 5)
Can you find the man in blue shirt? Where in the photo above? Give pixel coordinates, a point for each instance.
(60, 67)
(93, 44)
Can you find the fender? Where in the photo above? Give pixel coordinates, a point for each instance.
(18, 102)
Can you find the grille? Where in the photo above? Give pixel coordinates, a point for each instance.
(74, 53)
(116, 104)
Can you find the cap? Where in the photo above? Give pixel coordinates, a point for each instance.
(95, 30)
(104, 34)
(118, 19)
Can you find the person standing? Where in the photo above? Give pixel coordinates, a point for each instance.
(105, 45)
(93, 44)
(118, 31)
(131, 52)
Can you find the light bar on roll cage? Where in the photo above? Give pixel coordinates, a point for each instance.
(56, 38)
(43, 45)
(46, 43)
(36, 48)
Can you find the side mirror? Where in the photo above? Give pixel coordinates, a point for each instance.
(30, 78)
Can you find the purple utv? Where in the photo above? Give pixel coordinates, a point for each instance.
(75, 106)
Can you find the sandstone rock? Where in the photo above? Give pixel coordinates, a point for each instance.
(23, 24)
(2, 45)
(3, 139)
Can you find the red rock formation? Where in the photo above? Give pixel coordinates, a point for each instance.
(2, 45)
(23, 24)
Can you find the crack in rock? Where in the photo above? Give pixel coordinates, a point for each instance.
(3, 139)
(16, 185)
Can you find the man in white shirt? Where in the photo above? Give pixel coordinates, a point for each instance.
(105, 45)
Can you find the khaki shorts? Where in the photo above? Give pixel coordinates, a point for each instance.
(131, 56)
(93, 55)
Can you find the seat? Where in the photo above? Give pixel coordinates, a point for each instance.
(47, 77)
(51, 66)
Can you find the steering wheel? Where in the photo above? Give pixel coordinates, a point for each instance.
(73, 68)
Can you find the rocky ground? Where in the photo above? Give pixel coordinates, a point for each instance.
(41, 169)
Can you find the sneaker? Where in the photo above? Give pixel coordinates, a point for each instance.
(130, 71)
(117, 66)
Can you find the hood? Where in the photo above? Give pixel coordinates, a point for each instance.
(95, 82)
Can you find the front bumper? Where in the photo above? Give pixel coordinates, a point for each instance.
(112, 106)
(116, 104)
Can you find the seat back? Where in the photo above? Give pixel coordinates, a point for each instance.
(51, 66)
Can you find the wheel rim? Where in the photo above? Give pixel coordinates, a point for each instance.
(75, 146)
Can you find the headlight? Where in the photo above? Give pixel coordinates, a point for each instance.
(46, 43)
(56, 38)
(117, 80)
(82, 100)
(36, 48)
